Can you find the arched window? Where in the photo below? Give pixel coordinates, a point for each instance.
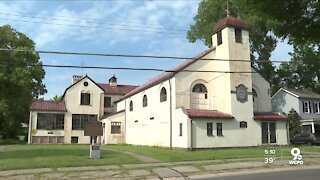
(199, 88)
(163, 95)
(145, 101)
(199, 97)
(131, 106)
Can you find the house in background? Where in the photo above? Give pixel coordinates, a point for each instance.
(83, 101)
(304, 102)
(227, 106)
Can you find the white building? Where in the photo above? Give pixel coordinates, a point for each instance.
(228, 106)
(83, 101)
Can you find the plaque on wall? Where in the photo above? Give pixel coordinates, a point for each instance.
(242, 93)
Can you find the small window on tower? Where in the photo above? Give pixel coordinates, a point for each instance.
(219, 38)
(238, 35)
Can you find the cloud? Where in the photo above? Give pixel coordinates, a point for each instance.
(112, 19)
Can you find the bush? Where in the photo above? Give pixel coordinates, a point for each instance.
(11, 141)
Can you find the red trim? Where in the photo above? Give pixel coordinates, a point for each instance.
(269, 116)
(42, 105)
(196, 113)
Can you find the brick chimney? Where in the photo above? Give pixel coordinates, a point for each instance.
(76, 78)
(113, 81)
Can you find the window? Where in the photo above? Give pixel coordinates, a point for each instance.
(305, 107)
(163, 95)
(50, 121)
(316, 108)
(180, 129)
(219, 38)
(107, 101)
(41, 121)
(79, 120)
(131, 106)
(145, 101)
(209, 129)
(254, 95)
(74, 139)
(238, 35)
(219, 129)
(115, 127)
(199, 88)
(76, 122)
(243, 124)
(60, 121)
(85, 99)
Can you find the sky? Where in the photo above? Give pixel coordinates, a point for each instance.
(137, 27)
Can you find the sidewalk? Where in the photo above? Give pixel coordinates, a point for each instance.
(174, 170)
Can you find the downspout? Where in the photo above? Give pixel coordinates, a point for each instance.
(30, 128)
(125, 121)
(170, 113)
(191, 143)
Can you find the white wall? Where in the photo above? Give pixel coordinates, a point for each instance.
(179, 116)
(284, 102)
(120, 106)
(233, 135)
(114, 138)
(262, 88)
(148, 132)
(72, 100)
(281, 132)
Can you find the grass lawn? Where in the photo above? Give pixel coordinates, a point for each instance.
(168, 155)
(53, 156)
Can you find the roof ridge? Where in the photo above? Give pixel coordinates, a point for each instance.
(166, 75)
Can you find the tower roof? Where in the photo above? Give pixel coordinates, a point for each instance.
(229, 21)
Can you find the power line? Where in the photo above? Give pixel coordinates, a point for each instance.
(93, 22)
(69, 17)
(123, 68)
(103, 27)
(136, 56)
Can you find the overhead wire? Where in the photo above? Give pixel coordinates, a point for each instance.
(91, 22)
(122, 68)
(137, 56)
(90, 19)
(103, 27)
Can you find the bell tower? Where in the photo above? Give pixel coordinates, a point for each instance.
(231, 39)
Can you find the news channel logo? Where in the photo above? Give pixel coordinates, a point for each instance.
(297, 157)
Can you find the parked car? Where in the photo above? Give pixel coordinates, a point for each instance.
(306, 138)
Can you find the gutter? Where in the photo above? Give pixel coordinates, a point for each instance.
(170, 113)
(30, 128)
(191, 143)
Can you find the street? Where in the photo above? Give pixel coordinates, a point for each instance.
(305, 174)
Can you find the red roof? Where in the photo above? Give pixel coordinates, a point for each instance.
(269, 115)
(119, 89)
(42, 105)
(229, 21)
(166, 75)
(207, 114)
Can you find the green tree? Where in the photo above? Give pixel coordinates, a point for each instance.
(268, 20)
(262, 41)
(294, 123)
(303, 69)
(56, 98)
(21, 76)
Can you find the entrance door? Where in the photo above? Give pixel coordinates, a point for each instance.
(268, 132)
